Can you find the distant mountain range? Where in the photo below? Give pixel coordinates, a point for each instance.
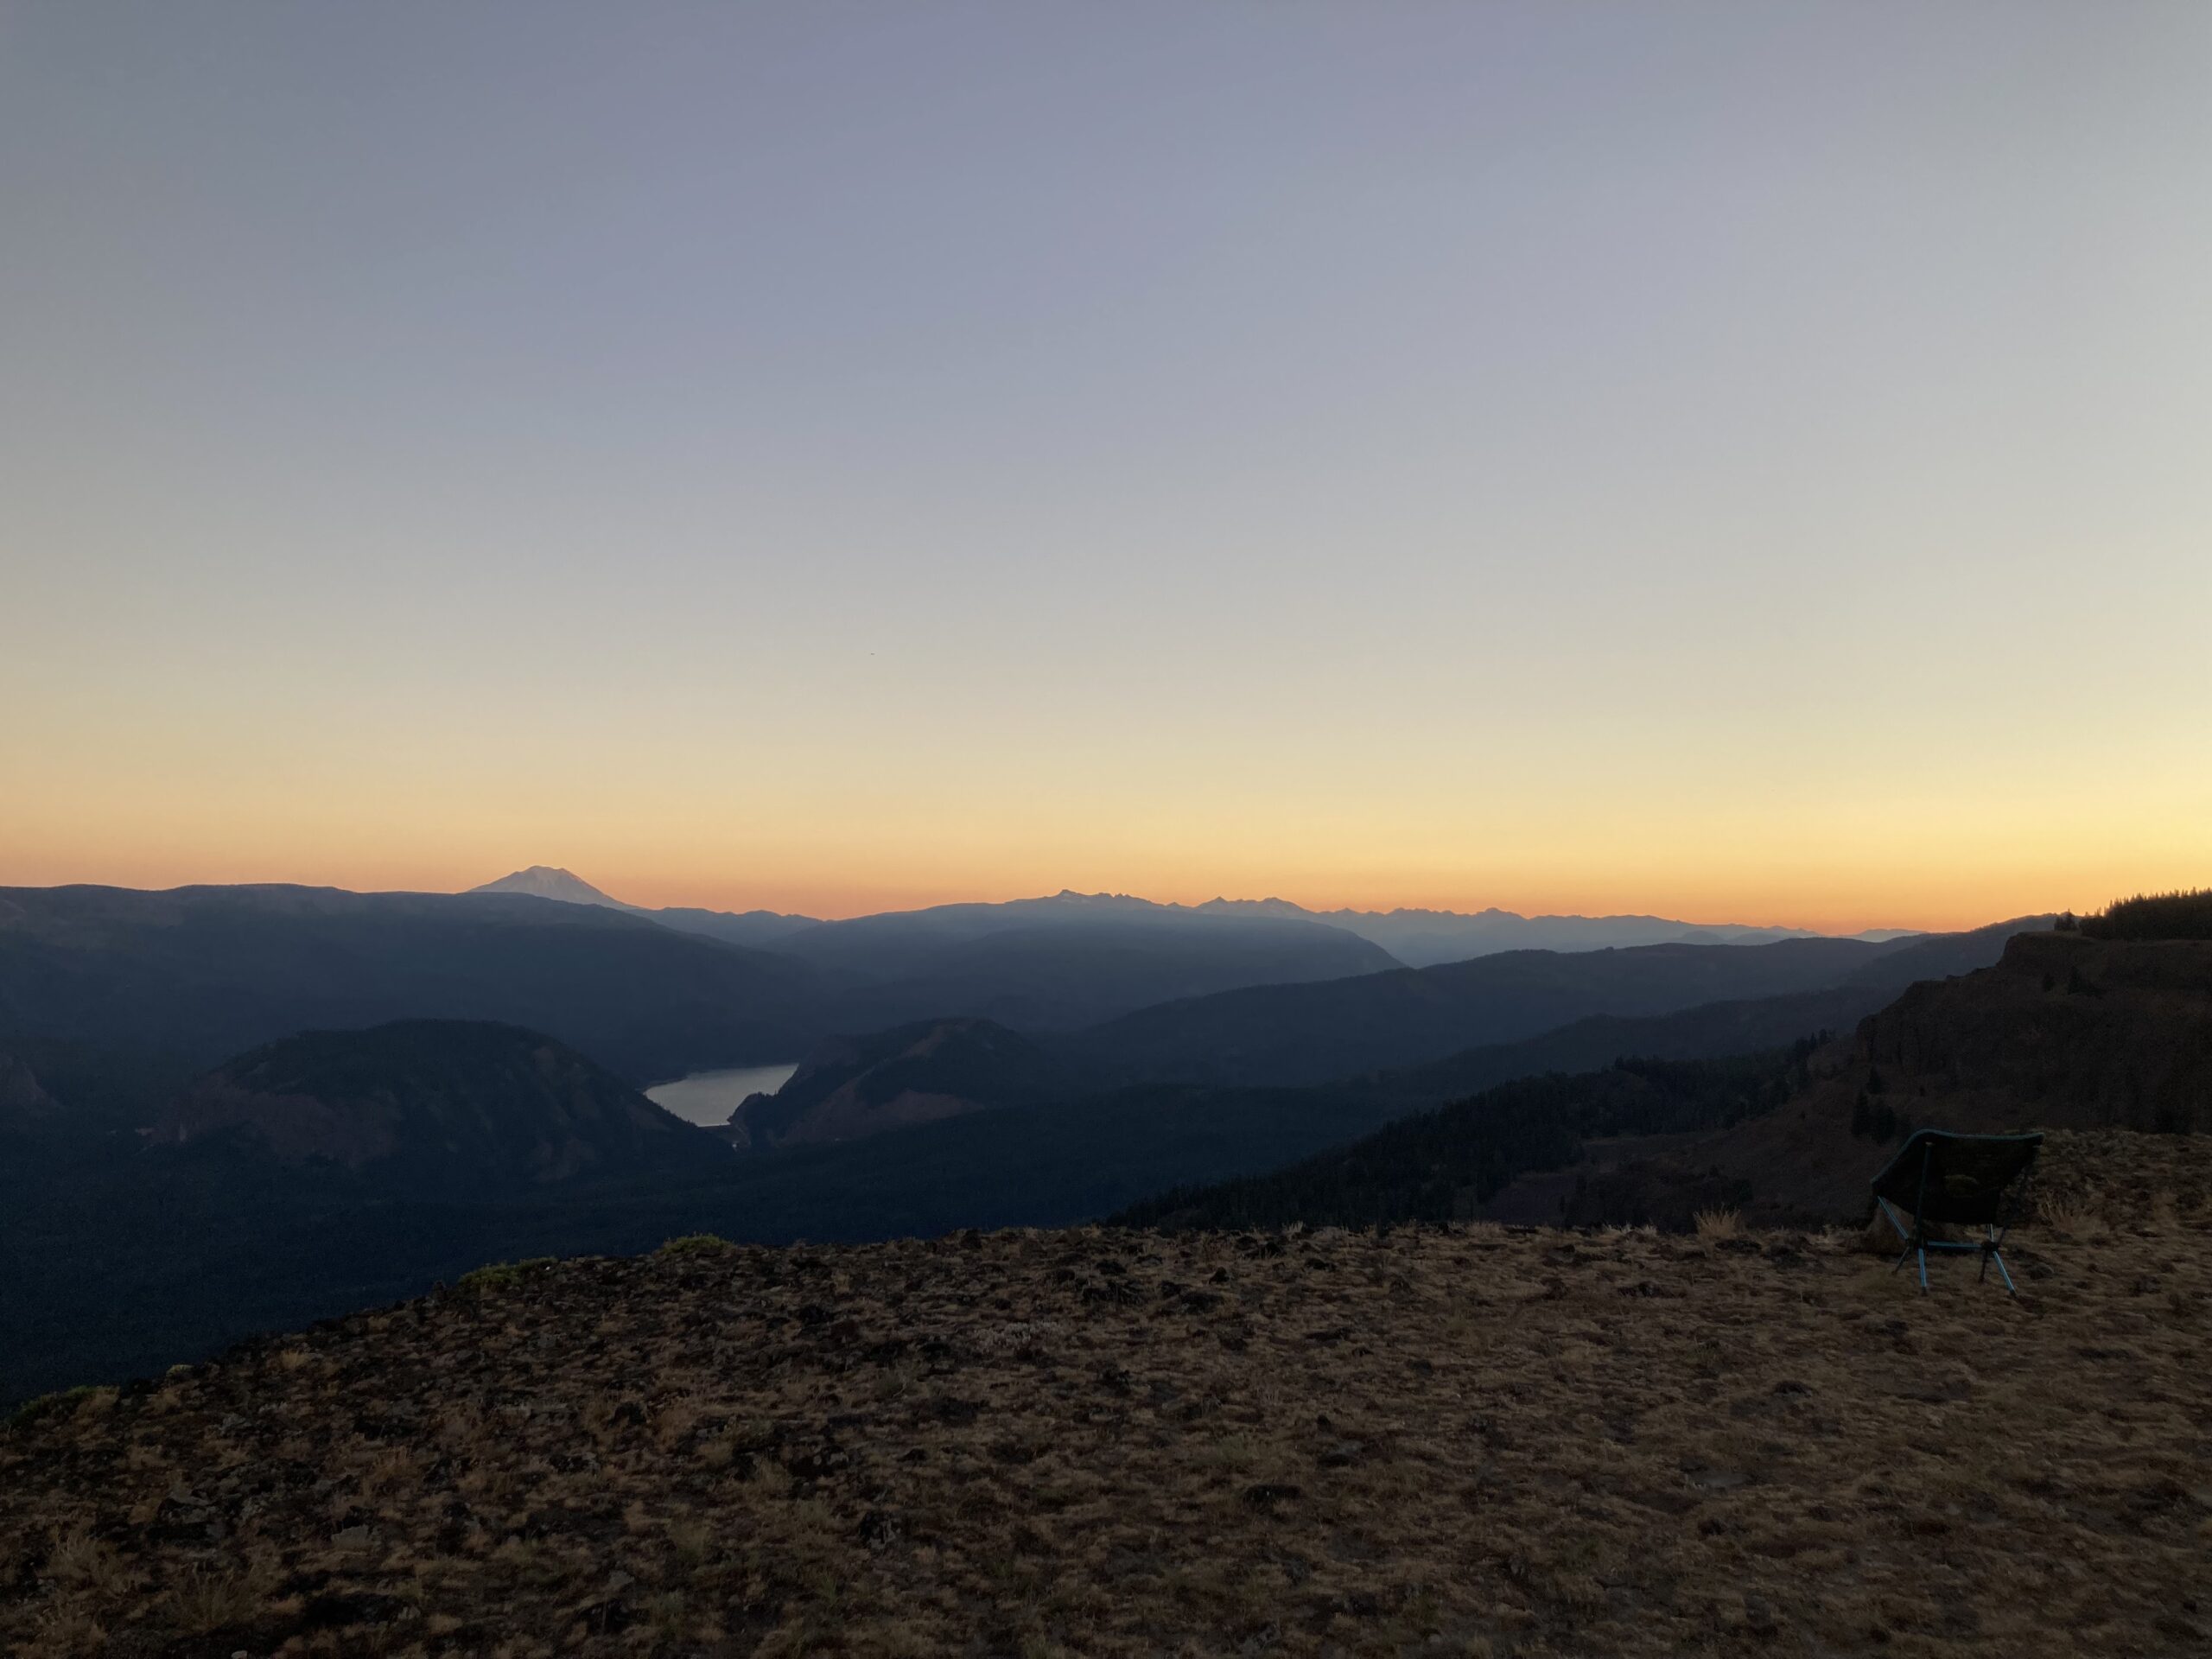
(1053, 964)
(734, 927)
(111, 999)
(1412, 938)
(1424, 938)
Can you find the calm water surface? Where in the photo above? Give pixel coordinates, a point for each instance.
(709, 1097)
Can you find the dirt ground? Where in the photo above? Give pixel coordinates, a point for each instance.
(1485, 1441)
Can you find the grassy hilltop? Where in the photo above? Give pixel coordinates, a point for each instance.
(1477, 1440)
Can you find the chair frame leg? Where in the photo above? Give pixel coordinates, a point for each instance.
(2010, 1289)
(1914, 1245)
(1917, 1244)
(2007, 1206)
(1993, 1251)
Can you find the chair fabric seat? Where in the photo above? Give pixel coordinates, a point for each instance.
(1969, 1178)
(1941, 1180)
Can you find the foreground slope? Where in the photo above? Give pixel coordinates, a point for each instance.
(1100, 1442)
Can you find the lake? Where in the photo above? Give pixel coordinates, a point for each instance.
(709, 1097)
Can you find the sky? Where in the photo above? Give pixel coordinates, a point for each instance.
(1744, 463)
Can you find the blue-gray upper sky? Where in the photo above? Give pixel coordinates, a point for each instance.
(1715, 458)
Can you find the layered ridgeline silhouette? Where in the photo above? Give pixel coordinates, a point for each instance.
(1071, 960)
(114, 997)
(2105, 1028)
(115, 1255)
(1372, 1056)
(1300, 1034)
(1414, 938)
(1423, 939)
(1062, 961)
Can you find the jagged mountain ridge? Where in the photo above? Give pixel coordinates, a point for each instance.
(1415, 937)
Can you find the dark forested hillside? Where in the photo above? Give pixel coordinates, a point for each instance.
(2065, 1032)
(117, 1263)
(2185, 915)
(1289, 1034)
(1443, 1165)
(453, 1106)
(852, 1087)
(115, 998)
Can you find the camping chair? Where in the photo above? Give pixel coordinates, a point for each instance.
(1959, 1180)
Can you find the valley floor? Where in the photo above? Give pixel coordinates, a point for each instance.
(1482, 1440)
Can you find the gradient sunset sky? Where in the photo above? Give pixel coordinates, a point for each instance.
(1745, 462)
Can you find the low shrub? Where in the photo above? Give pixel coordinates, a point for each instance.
(500, 1275)
(58, 1404)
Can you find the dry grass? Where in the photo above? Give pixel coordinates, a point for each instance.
(210, 1598)
(1720, 1223)
(1488, 1441)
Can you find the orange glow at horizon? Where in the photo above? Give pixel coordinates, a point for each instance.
(1847, 902)
(781, 458)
